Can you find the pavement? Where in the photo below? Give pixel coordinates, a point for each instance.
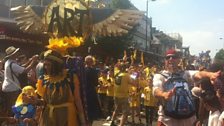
(103, 122)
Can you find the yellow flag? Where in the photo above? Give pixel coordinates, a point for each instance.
(135, 54)
(142, 58)
(125, 56)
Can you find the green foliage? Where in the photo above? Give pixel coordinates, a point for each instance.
(220, 55)
(121, 4)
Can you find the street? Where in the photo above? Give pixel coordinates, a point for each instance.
(103, 122)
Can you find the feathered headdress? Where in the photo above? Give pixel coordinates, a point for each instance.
(61, 45)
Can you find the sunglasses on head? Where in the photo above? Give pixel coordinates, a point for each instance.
(173, 57)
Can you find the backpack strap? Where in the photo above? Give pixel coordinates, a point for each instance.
(164, 75)
(12, 72)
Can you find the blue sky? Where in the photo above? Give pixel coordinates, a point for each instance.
(199, 22)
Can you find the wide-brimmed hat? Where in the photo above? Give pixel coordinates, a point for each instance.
(11, 51)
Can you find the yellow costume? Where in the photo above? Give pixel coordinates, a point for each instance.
(121, 91)
(60, 102)
(110, 89)
(142, 83)
(134, 97)
(149, 99)
(103, 83)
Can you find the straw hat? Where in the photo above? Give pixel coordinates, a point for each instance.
(11, 51)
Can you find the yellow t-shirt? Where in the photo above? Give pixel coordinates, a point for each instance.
(142, 83)
(149, 99)
(121, 90)
(134, 97)
(110, 88)
(102, 85)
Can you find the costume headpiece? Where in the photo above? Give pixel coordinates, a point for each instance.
(53, 55)
(61, 45)
(28, 90)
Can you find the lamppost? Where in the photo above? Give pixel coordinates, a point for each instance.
(223, 42)
(146, 23)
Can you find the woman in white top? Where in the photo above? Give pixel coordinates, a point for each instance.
(212, 104)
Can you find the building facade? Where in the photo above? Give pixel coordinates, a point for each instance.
(10, 34)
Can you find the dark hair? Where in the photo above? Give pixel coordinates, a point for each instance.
(56, 67)
(206, 84)
(211, 99)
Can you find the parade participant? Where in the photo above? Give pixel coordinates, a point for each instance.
(122, 82)
(110, 93)
(102, 90)
(25, 107)
(60, 93)
(165, 117)
(150, 103)
(40, 66)
(92, 102)
(11, 85)
(134, 102)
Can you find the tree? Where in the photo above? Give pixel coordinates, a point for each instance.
(219, 57)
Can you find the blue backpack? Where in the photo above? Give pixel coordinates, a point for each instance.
(181, 105)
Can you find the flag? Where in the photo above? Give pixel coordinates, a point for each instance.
(142, 58)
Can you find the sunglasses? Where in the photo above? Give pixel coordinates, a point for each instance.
(173, 57)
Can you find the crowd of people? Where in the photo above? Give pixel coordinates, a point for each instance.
(55, 90)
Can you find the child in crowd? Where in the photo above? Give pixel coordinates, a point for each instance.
(149, 103)
(24, 109)
(134, 102)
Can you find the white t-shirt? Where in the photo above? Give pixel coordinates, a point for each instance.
(158, 81)
(221, 118)
(213, 119)
(10, 84)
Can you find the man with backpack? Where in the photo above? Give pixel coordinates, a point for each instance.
(11, 85)
(172, 87)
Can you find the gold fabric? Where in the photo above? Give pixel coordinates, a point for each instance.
(60, 104)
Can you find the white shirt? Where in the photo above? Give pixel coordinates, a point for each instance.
(158, 81)
(221, 118)
(10, 85)
(213, 119)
